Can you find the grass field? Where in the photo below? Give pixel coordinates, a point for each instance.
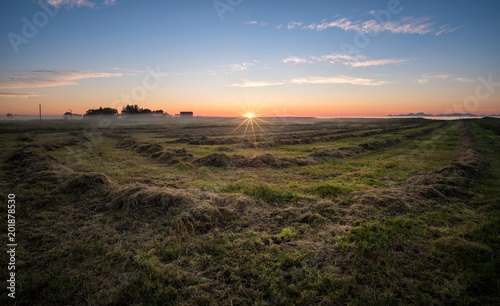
(309, 212)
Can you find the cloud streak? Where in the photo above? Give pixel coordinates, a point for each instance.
(380, 62)
(71, 3)
(427, 77)
(247, 83)
(77, 3)
(296, 60)
(339, 80)
(342, 79)
(445, 29)
(50, 78)
(16, 95)
(406, 25)
(354, 61)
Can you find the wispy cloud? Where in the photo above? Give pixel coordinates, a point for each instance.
(426, 77)
(348, 60)
(71, 3)
(447, 29)
(77, 3)
(255, 22)
(379, 62)
(296, 60)
(465, 80)
(231, 68)
(342, 79)
(247, 83)
(337, 57)
(339, 80)
(16, 95)
(50, 78)
(294, 24)
(406, 25)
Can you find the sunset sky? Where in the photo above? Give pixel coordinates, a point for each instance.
(288, 58)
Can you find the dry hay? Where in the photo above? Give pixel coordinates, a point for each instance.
(173, 156)
(153, 150)
(224, 149)
(34, 167)
(149, 148)
(186, 210)
(421, 189)
(221, 160)
(33, 157)
(344, 152)
(218, 160)
(78, 138)
(28, 137)
(263, 160)
(86, 182)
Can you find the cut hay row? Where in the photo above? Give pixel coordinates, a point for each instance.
(192, 210)
(421, 190)
(100, 243)
(344, 152)
(222, 160)
(153, 150)
(273, 140)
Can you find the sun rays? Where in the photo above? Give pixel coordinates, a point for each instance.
(250, 123)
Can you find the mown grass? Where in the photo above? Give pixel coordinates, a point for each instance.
(379, 168)
(289, 236)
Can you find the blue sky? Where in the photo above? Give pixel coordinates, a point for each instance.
(287, 57)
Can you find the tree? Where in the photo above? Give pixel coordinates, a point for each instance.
(131, 109)
(134, 110)
(108, 111)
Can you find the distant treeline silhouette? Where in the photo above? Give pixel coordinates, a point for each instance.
(126, 110)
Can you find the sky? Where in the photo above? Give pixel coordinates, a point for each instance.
(275, 57)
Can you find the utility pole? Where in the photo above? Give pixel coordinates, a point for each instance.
(40, 111)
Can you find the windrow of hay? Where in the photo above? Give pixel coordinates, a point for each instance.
(331, 133)
(153, 150)
(344, 152)
(28, 137)
(186, 210)
(222, 160)
(423, 189)
(78, 138)
(339, 135)
(183, 210)
(34, 158)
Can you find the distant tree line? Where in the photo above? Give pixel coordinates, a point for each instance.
(102, 111)
(126, 110)
(134, 109)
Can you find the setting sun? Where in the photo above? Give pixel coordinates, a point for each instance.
(249, 115)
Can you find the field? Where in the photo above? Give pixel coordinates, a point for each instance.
(304, 211)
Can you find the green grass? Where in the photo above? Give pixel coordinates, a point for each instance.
(263, 236)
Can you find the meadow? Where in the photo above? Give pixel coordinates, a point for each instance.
(303, 211)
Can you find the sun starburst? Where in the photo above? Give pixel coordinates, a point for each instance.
(250, 122)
